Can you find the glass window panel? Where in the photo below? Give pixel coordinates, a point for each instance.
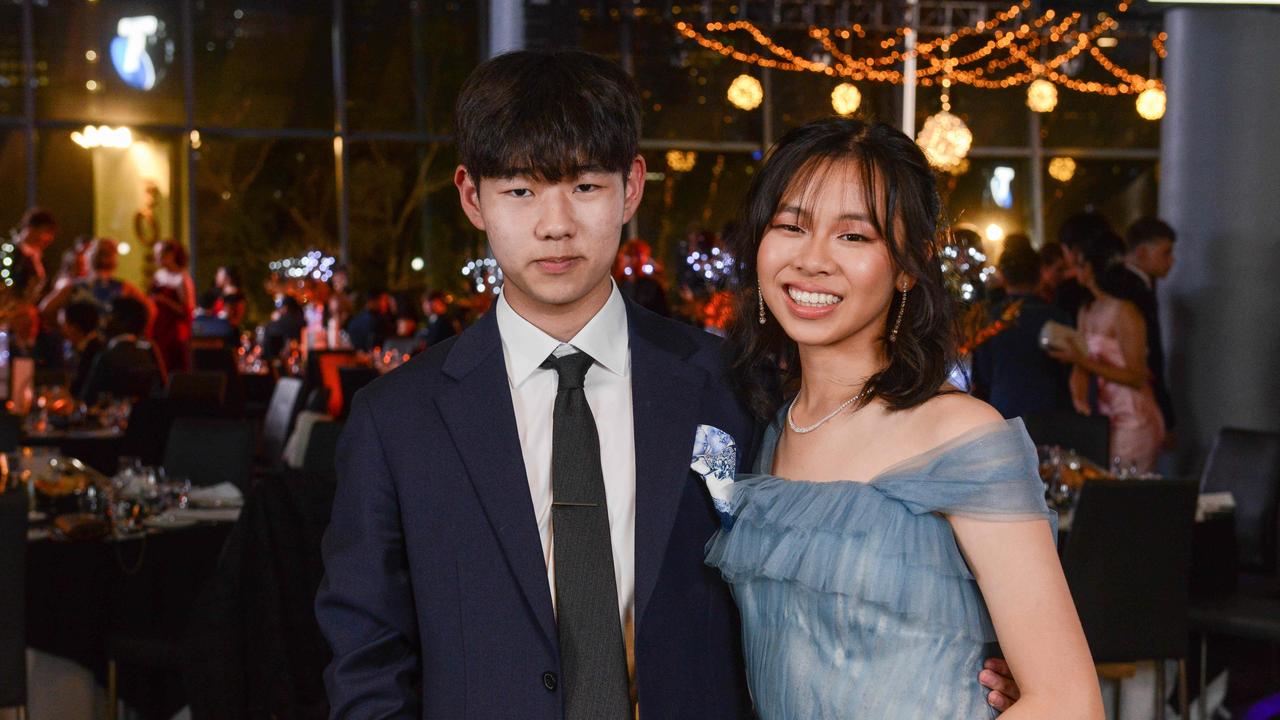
(407, 61)
(803, 96)
(978, 197)
(705, 198)
(264, 63)
(64, 186)
(115, 63)
(404, 206)
(684, 88)
(1123, 190)
(262, 200)
(997, 118)
(13, 169)
(1091, 120)
(10, 59)
(131, 195)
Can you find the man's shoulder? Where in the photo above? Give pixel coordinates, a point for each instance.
(696, 340)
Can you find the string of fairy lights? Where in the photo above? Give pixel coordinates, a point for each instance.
(1019, 51)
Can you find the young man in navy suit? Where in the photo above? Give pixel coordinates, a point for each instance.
(516, 532)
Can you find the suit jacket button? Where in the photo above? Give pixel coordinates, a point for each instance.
(549, 681)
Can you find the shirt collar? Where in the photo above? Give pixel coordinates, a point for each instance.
(605, 338)
(1145, 278)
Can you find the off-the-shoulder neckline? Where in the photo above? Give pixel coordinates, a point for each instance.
(968, 437)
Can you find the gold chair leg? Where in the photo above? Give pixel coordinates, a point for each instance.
(1183, 690)
(113, 700)
(21, 712)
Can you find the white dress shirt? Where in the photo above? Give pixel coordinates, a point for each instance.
(1145, 278)
(608, 389)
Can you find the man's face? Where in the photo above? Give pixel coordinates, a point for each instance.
(555, 242)
(1154, 258)
(1052, 274)
(41, 237)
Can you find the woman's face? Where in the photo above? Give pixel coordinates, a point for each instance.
(825, 271)
(220, 278)
(163, 258)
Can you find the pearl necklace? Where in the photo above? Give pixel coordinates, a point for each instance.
(791, 421)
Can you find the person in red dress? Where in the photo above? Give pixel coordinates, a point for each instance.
(173, 293)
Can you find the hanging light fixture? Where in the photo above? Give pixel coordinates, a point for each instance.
(681, 160)
(944, 137)
(1062, 169)
(845, 99)
(945, 140)
(1151, 103)
(1042, 96)
(745, 92)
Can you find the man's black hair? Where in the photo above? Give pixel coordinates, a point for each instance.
(1083, 228)
(1148, 229)
(548, 114)
(82, 315)
(1020, 265)
(38, 218)
(128, 316)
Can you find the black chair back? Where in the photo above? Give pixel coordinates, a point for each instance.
(148, 431)
(282, 410)
(200, 389)
(13, 578)
(317, 400)
(210, 451)
(1246, 463)
(1128, 563)
(1088, 435)
(215, 356)
(352, 379)
(322, 448)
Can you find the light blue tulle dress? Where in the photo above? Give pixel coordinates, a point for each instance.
(855, 600)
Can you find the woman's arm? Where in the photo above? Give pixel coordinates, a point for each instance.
(1017, 569)
(53, 302)
(1131, 330)
(188, 294)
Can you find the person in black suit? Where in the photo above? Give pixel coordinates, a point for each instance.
(1148, 259)
(374, 324)
(1010, 370)
(28, 276)
(79, 322)
(209, 325)
(129, 366)
(448, 591)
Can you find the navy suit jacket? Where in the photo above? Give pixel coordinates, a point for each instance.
(435, 599)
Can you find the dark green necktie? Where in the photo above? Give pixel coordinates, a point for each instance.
(593, 657)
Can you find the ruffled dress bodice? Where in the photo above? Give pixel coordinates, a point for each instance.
(855, 599)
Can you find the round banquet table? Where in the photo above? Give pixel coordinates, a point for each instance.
(78, 593)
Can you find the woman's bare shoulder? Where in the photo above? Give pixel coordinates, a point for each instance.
(947, 416)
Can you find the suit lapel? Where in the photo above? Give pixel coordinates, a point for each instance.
(666, 394)
(480, 418)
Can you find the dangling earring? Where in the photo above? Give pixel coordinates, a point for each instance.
(760, 297)
(902, 309)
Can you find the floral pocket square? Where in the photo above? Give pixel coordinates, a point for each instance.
(715, 458)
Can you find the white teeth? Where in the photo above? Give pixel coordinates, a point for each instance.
(812, 299)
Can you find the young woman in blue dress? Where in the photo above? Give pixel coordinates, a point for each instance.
(896, 528)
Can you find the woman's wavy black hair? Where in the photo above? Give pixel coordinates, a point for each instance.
(902, 197)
